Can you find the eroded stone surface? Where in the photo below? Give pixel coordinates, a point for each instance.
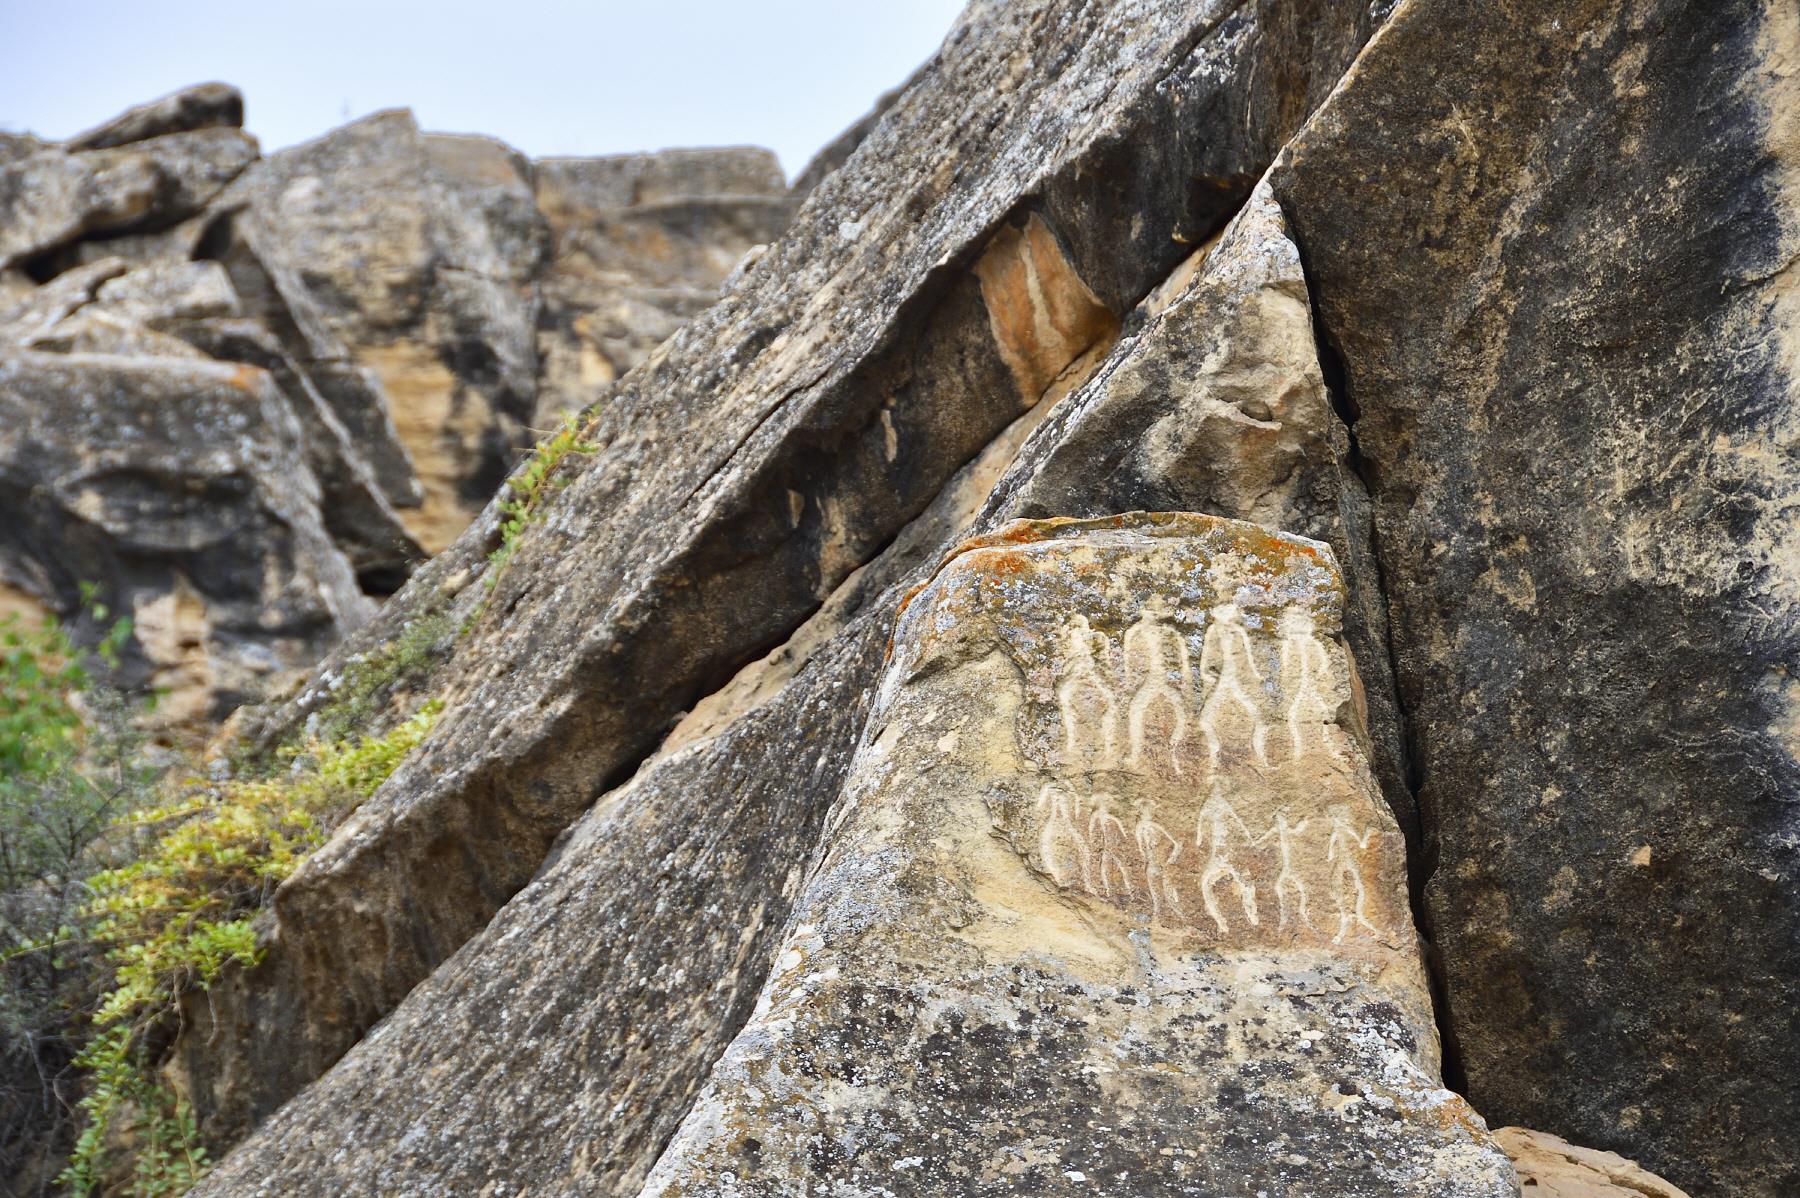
(1551, 1167)
(1554, 245)
(584, 1094)
(147, 477)
(1111, 903)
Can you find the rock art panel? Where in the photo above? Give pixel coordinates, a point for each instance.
(1111, 903)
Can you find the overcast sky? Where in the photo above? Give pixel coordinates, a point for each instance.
(548, 76)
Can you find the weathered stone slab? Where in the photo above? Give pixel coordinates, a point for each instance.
(1551, 1167)
(147, 478)
(1554, 245)
(1111, 903)
(50, 198)
(455, 1091)
(203, 106)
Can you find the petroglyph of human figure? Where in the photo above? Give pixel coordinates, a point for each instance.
(1305, 673)
(1159, 849)
(1114, 865)
(1219, 823)
(1083, 683)
(1155, 651)
(1347, 887)
(1290, 891)
(1225, 657)
(1062, 841)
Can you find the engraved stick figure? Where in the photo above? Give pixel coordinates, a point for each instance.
(1159, 849)
(1107, 835)
(1061, 840)
(1226, 652)
(1148, 645)
(1082, 676)
(1287, 881)
(1345, 838)
(1216, 818)
(1305, 668)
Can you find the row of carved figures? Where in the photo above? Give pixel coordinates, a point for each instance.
(1157, 671)
(1083, 843)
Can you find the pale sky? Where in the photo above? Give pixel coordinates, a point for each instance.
(547, 76)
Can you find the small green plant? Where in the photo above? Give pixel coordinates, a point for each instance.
(181, 912)
(405, 662)
(70, 762)
(527, 492)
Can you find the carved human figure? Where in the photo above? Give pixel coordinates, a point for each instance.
(1220, 826)
(1347, 888)
(1114, 864)
(1225, 658)
(1290, 890)
(1305, 673)
(1084, 689)
(1155, 653)
(1159, 849)
(1062, 839)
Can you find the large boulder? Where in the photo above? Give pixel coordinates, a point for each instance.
(389, 253)
(51, 198)
(202, 106)
(147, 478)
(1553, 245)
(1110, 900)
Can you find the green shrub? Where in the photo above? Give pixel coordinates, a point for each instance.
(181, 912)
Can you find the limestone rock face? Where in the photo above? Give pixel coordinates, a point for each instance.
(1110, 903)
(1553, 245)
(586, 1093)
(1551, 1167)
(771, 448)
(149, 475)
(401, 268)
(641, 243)
(53, 197)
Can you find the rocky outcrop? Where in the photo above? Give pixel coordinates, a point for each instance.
(772, 447)
(1558, 268)
(640, 245)
(152, 474)
(727, 869)
(389, 283)
(1110, 894)
(586, 1093)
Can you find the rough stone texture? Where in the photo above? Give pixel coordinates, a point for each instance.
(1551, 1167)
(147, 477)
(1110, 904)
(387, 261)
(53, 197)
(779, 440)
(453, 1092)
(203, 106)
(1554, 245)
(641, 245)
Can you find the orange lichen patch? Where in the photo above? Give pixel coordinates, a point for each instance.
(247, 379)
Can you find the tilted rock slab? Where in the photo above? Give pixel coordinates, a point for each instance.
(1111, 904)
(526, 1061)
(964, 257)
(1554, 244)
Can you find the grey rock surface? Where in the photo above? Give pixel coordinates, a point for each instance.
(1554, 246)
(203, 106)
(145, 477)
